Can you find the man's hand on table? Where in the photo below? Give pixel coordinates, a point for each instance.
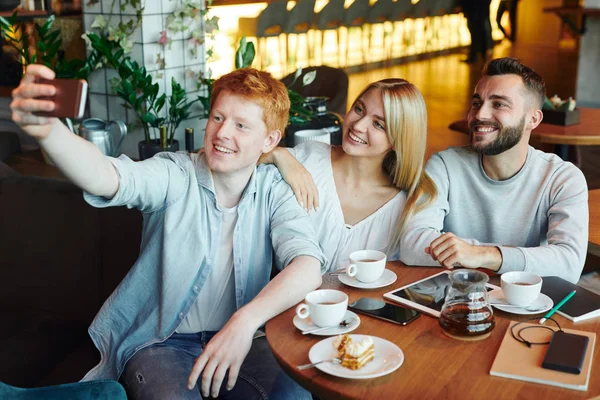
(451, 251)
(225, 351)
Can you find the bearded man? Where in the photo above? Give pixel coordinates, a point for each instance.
(503, 205)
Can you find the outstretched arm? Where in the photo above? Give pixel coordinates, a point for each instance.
(295, 175)
(78, 159)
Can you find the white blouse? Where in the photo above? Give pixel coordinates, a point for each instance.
(337, 238)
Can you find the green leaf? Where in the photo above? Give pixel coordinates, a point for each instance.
(53, 35)
(159, 104)
(309, 78)
(49, 22)
(244, 54)
(132, 98)
(149, 119)
(125, 69)
(127, 86)
(119, 54)
(296, 76)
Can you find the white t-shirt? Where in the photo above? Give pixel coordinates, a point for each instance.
(337, 239)
(216, 301)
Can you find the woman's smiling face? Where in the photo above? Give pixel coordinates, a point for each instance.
(365, 131)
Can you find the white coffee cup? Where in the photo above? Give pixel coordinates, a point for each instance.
(366, 265)
(520, 288)
(326, 307)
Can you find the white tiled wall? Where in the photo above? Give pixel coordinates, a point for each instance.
(146, 47)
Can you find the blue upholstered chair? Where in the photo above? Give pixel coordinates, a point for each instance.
(93, 390)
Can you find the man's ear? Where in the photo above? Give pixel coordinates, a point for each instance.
(535, 119)
(271, 141)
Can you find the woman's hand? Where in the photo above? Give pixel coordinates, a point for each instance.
(25, 102)
(298, 178)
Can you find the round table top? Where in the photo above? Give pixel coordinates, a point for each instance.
(435, 366)
(587, 132)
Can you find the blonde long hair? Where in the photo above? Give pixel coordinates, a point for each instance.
(406, 122)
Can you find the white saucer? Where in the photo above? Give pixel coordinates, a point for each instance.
(543, 302)
(388, 358)
(387, 278)
(305, 324)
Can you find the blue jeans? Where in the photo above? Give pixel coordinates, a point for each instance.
(161, 372)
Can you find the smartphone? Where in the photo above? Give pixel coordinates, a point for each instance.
(566, 352)
(69, 100)
(385, 311)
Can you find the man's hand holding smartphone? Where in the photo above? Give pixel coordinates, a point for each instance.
(69, 98)
(40, 97)
(26, 102)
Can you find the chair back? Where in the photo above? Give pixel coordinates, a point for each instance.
(381, 11)
(272, 20)
(402, 9)
(425, 8)
(301, 17)
(357, 13)
(444, 7)
(331, 16)
(329, 82)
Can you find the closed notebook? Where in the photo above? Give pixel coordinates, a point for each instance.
(517, 361)
(584, 305)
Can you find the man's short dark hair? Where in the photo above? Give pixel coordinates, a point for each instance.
(508, 65)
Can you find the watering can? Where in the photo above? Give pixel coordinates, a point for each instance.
(99, 132)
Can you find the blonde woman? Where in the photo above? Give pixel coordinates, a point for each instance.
(364, 191)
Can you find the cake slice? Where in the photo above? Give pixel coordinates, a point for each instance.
(354, 355)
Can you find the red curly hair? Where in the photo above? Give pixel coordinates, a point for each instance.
(261, 88)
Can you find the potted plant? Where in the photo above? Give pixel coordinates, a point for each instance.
(136, 87)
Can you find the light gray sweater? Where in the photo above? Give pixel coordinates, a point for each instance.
(538, 218)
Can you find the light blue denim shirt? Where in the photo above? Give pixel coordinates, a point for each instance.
(181, 229)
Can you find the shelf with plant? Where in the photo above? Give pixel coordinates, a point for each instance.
(46, 47)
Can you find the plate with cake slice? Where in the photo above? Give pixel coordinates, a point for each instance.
(362, 356)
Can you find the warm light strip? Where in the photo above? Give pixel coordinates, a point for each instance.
(451, 33)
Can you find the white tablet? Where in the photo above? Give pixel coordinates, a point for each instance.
(426, 295)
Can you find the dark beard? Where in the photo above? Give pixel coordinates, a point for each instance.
(508, 137)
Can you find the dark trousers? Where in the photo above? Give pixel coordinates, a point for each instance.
(160, 372)
(477, 13)
(511, 7)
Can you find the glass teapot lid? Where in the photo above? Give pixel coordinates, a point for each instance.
(465, 279)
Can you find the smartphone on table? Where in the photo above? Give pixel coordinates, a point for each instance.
(69, 100)
(385, 311)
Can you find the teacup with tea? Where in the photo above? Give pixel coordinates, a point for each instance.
(521, 288)
(326, 307)
(366, 265)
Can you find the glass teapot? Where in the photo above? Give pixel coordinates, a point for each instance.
(467, 313)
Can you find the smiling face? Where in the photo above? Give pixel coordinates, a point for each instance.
(501, 111)
(365, 127)
(236, 134)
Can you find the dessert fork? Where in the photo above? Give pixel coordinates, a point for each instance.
(335, 360)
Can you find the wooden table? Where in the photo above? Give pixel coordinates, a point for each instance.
(594, 207)
(435, 366)
(585, 133)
